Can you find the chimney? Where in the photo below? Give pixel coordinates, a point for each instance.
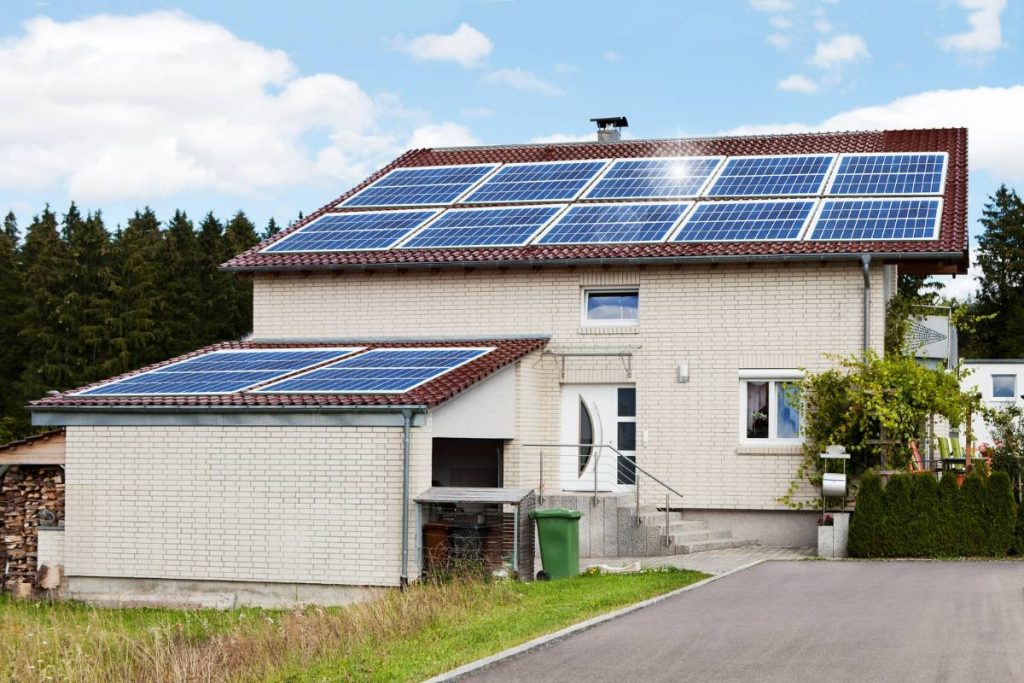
(610, 129)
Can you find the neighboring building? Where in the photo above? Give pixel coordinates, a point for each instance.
(654, 296)
(1001, 385)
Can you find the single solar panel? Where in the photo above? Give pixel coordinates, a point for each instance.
(668, 178)
(772, 176)
(614, 223)
(746, 221)
(423, 186)
(378, 371)
(218, 372)
(877, 219)
(503, 226)
(889, 174)
(356, 231)
(547, 181)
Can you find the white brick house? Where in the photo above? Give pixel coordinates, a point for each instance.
(672, 351)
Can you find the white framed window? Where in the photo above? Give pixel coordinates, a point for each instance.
(605, 306)
(1004, 386)
(769, 413)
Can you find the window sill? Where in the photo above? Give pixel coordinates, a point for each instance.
(770, 449)
(609, 329)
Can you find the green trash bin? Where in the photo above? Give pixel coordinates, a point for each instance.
(559, 532)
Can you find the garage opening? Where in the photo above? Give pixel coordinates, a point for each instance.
(473, 463)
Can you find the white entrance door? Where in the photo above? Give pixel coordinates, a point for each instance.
(594, 414)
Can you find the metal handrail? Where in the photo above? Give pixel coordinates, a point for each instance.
(636, 481)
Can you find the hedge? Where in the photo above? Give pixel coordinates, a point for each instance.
(915, 516)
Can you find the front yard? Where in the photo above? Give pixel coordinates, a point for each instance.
(398, 637)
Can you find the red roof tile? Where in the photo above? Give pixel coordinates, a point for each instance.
(951, 246)
(432, 393)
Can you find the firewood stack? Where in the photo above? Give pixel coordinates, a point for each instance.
(25, 490)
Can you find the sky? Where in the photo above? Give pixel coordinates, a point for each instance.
(277, 108)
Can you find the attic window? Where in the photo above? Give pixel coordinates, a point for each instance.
(611, 306)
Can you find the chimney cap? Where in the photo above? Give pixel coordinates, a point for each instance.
(611, 122)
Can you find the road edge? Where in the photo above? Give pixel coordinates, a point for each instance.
(542, 641)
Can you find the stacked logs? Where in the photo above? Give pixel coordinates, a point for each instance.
(24, 491)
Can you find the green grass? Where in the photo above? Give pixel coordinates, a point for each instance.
(397, 637)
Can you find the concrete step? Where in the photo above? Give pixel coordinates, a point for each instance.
(675, 523)
(698, 546)
(682, 538)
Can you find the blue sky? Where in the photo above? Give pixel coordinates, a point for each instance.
(278, 107)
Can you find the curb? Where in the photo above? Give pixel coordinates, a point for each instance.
(545, 640)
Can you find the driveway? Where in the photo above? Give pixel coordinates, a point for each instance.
(807, 621)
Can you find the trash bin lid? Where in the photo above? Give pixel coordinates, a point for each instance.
(557, 513)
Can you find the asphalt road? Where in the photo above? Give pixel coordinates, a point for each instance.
(807, 621)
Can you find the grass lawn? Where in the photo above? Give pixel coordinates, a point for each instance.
(397, 637)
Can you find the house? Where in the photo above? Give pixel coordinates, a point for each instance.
(1001, 385)
(612, 324)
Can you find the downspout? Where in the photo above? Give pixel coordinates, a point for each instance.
(403, 580)
(865, 264)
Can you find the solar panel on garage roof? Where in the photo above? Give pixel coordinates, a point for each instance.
(505, 226)
(668, 178)
(356, 231)
(743, 221)
(420, 186)
(614, 223)
(378, 371)
(772, 176)
(866, 174)
(877, 219)
(548, 181)
(218, 372)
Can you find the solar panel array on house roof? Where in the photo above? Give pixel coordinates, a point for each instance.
(742, 221)
(503, 226)
(614, 223)
(877, 219)
(670, 178)
(378, 371)
(889, 174)
(354, 231)
(218, 372)
(549, 181)
(772, 176)
(420, 186)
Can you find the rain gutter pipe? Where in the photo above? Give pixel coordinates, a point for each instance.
(403, 579)
(865, 264)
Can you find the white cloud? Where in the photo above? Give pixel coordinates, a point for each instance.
(465, 45)
(781, 22)
(612, 56)
(797, 83)
(119, 107)
(822, 25)
(563, 69)
(840, 50)
(778, 40)
(521, 79)
(985, 34)
(771, 5)
(441, 135)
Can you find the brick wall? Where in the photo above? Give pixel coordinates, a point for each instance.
(717, 318)
(276, 504)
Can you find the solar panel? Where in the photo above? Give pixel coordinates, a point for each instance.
(772, 176)
(356, 231)
(379, 371)
(619, 223)
(218, 372)
(865, 174)
(746, 221)
(669, 178)
(420, 186)
(877, 219)
(503, 226)
(548, 181)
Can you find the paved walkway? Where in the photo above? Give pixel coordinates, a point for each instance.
(807, 621)
(708, 561)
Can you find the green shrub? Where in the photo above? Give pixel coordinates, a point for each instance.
(865, 525)
(1019, 542)
(924, 528)
(948, 518)
(971, 523)
(897, 511)
(1000, 514)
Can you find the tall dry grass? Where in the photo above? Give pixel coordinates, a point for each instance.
(240, 646)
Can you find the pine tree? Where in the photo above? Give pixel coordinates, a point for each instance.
(1001, 287)
(11, 228)
(138, 301)
(272, 229)
(11, 350)
(214, 286)
(89, 283)
(42, 333)
(183, 286)
(239, 236)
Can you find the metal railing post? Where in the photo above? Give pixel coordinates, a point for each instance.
(597, 457)
(668, 539)
(540, 488)
(636, 491)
